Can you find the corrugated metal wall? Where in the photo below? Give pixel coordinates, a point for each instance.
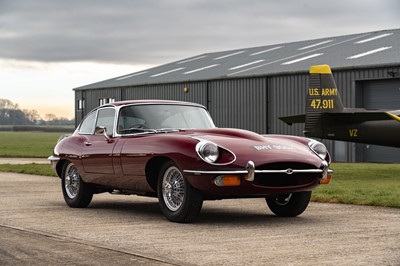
(286, 98)
(239, 103)
(197, 92)
(250, 103)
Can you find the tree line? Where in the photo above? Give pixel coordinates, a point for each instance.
(11, 114)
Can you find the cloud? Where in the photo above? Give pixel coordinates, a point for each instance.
(155, 32)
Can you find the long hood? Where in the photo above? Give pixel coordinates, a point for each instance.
(261, 149)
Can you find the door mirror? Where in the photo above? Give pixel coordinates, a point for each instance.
(99, 130)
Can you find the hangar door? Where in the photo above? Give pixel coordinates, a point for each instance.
(381, 94)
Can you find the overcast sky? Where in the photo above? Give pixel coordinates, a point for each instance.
(48, 47)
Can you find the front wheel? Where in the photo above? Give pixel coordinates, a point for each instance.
(179, 201)
(290, 204)
(77, 194)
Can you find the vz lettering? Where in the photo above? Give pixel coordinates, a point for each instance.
(353, 133)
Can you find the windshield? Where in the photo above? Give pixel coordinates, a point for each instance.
(150, 117)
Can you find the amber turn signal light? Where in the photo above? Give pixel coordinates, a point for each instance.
(326, 181)
(227, 180)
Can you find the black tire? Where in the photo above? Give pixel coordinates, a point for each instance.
(179, 201)
(77, 194)
(289, 205)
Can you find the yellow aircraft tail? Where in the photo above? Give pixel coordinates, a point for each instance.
(322, 97)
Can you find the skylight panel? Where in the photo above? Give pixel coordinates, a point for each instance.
(200, 69)
(301, 59)
(167, 72)
(315, 44)
(131, 75)
(248, 64)
(369, 52)
(374, 38)
(192, 59)
(266, 51)
(229, 55)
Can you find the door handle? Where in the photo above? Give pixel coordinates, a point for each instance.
(87, 143)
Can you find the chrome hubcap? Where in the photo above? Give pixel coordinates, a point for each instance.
(173, 188)
(72, 181)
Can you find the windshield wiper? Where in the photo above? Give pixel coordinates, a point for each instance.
(136, 129)
(167, 130)
(148, 130)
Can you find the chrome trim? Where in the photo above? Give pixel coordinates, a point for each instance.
(250, 171)
(53, 158)
(227, 172)
(223, 172)
(250, 168)
(325, 168)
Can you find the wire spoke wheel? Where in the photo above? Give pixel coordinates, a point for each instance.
(178, 200)
(173, 188)
(77, 194)
(72, 181)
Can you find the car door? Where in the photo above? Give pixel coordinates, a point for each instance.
(97, 153)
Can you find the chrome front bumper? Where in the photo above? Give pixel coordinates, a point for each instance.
(53, 161)
(250, 171)
(53, 158)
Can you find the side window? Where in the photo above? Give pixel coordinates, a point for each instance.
(87, 125)
(105, 119)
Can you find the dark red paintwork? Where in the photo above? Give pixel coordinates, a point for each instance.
(132, 163)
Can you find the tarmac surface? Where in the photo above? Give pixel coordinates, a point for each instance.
(38, 228)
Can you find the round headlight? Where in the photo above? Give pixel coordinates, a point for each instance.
(208, 151)
(318, 148)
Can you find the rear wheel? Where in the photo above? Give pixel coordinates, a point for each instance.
(77, 194)
(179, 201)
(290, 204)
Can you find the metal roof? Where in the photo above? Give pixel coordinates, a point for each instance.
(372, 49)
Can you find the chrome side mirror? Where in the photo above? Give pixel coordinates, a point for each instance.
(99, 130)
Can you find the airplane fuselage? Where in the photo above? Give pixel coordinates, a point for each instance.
(386, 133)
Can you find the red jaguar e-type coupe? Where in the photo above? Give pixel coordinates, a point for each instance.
(173, 151)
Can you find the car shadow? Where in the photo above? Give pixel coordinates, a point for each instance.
(132, 207)
(239, 217)
(150, 210)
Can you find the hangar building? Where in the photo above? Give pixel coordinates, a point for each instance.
(250, 88)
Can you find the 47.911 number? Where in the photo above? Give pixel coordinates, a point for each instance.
(322, 104)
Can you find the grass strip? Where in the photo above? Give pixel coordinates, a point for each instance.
(32, 169)
(362, 184)
(28, 144)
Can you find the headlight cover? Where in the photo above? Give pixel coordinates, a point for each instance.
(318, 148)
(208, 151)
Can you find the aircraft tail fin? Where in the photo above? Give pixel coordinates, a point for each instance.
(322, 97)
(323, 103)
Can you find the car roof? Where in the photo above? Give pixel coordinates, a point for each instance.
(130, 102)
